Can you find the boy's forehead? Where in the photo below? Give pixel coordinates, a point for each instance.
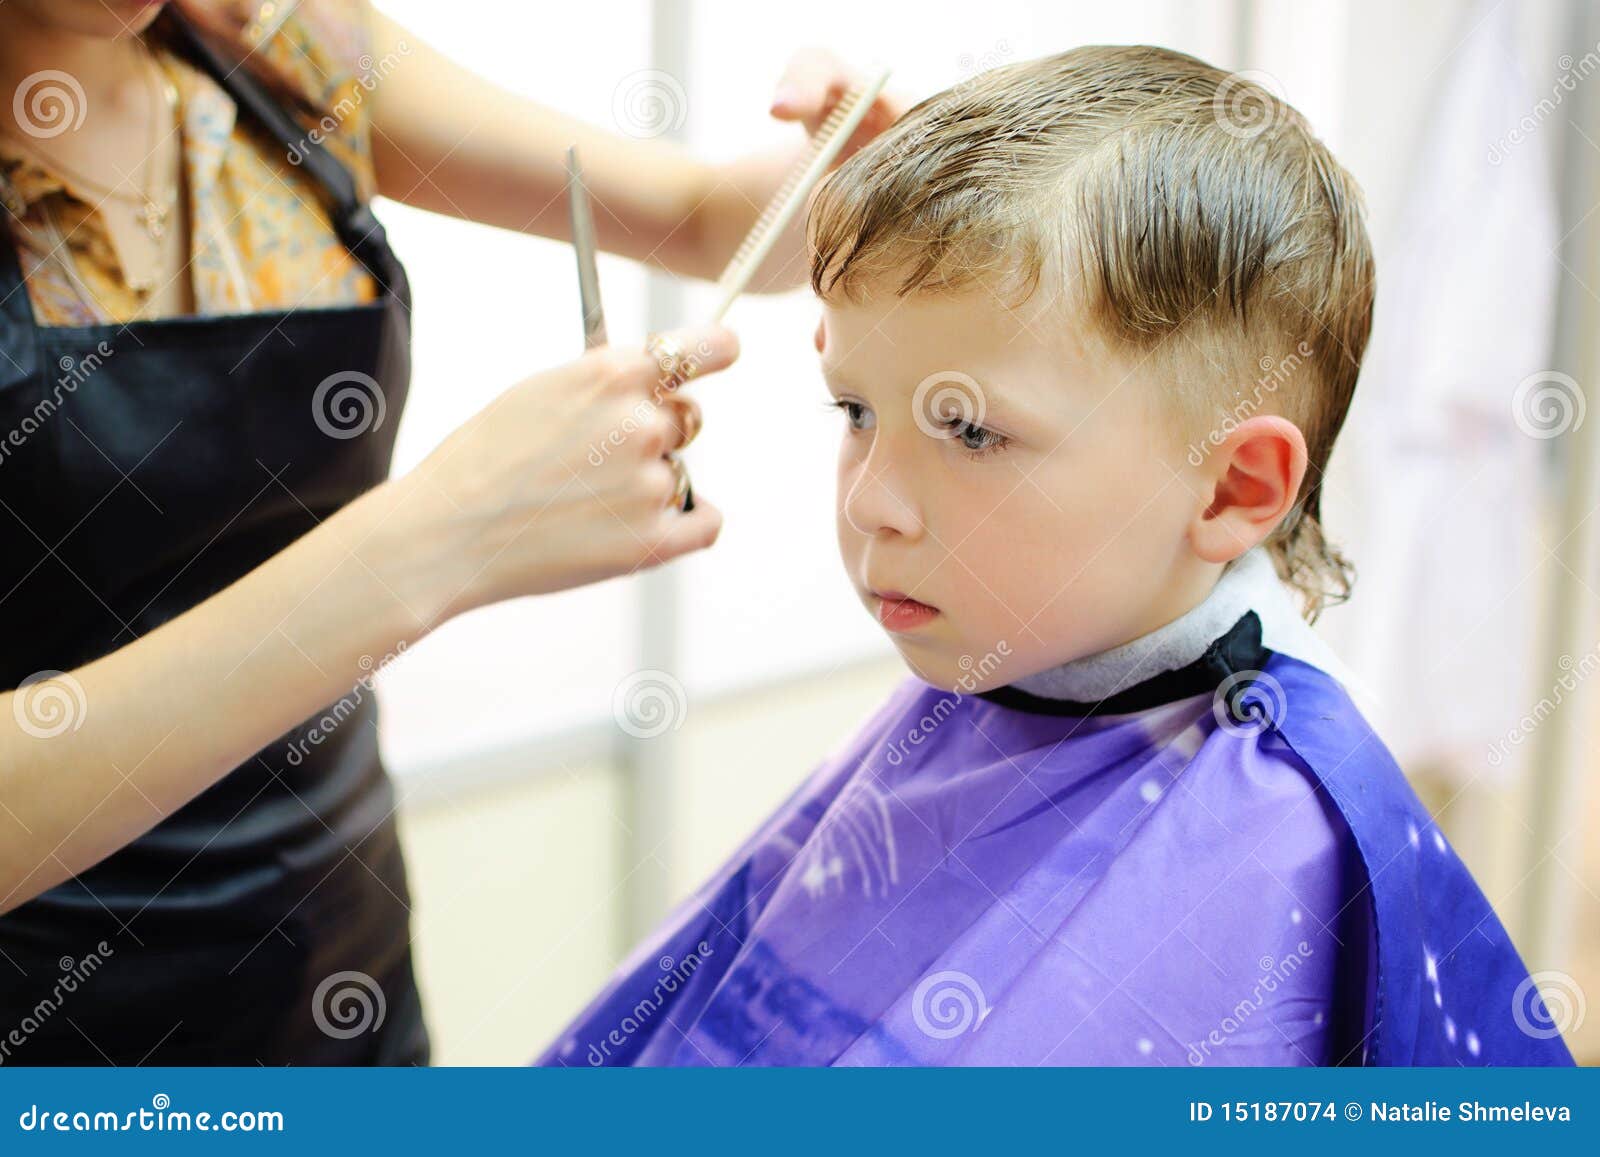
(972, 329)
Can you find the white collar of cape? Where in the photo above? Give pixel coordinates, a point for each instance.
(1248, 583)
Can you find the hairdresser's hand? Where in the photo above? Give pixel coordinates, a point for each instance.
(559, 482)
(814, 82)
(736, 192)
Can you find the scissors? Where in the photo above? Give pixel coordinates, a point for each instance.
(594, 315)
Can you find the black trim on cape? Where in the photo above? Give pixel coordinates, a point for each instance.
(1238, 651)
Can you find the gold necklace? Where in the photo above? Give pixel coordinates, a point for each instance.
(154, 211)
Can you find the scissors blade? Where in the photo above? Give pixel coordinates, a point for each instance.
(594, 316)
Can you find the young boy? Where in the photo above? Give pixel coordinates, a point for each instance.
(1094, 322)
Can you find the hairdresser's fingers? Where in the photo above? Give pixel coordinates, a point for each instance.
(686, 418)
(682, 532)
(814, 82)
(677, 356)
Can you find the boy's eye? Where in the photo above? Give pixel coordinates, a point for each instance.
(855, 413)
(977, 439)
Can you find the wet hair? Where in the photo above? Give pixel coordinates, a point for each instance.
(1190, 212)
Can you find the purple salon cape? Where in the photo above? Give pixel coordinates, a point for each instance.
(1219, 865)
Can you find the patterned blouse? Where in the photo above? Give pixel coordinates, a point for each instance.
(260, 235)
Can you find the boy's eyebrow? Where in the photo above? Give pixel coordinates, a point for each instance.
(995, 400)
(1002, 406)
(830, 370)
(837, 382)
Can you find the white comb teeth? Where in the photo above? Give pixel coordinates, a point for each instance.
(825, 145)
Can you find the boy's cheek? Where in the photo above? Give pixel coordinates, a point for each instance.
(1043, 601)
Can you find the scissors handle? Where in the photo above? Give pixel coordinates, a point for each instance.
(594, 315)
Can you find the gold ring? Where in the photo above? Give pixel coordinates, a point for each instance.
(261, 23)
(686, 416)
(671, 359)
(681, 492)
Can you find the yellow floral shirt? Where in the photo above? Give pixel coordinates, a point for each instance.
(261, 237)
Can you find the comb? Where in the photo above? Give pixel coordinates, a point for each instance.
(825, 144)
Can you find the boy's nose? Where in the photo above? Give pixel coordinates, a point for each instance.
(877, 501)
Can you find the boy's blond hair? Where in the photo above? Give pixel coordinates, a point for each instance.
(1169, 199)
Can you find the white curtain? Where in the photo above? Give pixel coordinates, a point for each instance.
(1436, 482)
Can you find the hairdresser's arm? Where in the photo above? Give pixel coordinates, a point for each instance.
(447, 140)
(513, 503)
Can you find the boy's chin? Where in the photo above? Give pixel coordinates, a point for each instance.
(946, 672)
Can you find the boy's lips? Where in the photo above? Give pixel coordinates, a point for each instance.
(898, 611)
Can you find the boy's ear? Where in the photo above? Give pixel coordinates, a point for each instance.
(1253, 478)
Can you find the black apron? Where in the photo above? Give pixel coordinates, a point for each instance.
(144, 467)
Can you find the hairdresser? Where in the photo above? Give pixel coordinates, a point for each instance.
(204, 351)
